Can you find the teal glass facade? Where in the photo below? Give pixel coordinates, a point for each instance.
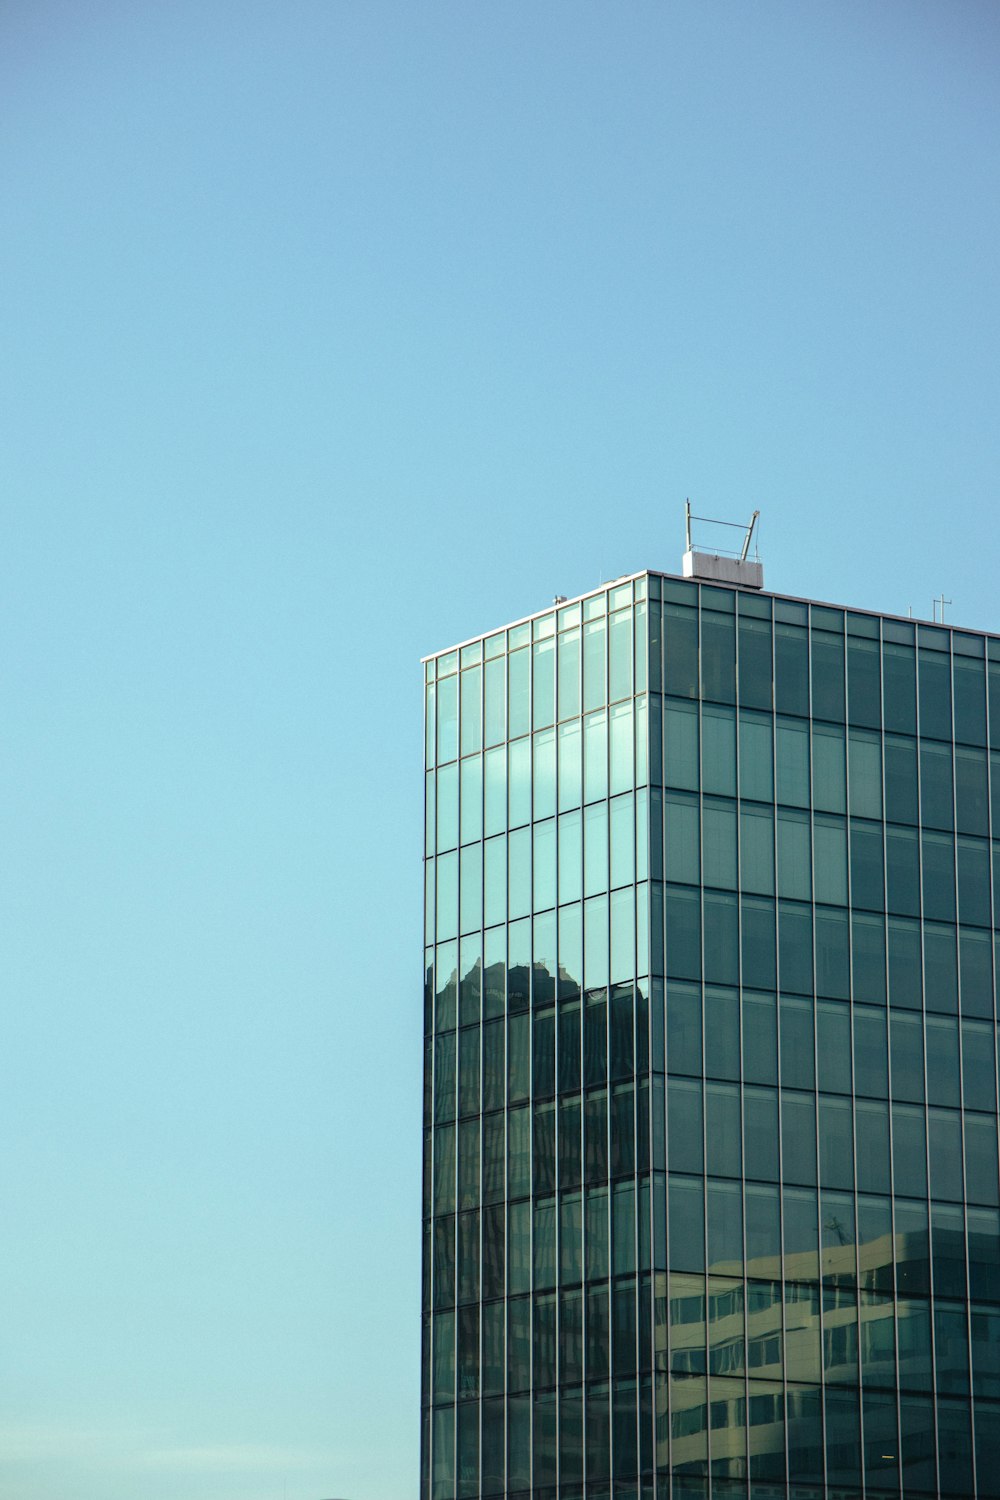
(711, 1185)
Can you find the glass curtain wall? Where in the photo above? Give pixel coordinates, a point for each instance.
(823, 929)
(537, 1268)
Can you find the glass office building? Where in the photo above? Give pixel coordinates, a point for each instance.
(711, 1190)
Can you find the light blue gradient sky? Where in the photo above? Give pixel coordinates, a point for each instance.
(334, 333)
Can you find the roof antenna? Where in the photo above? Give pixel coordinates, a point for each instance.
(934, 606)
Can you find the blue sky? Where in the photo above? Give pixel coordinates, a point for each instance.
(335, 333)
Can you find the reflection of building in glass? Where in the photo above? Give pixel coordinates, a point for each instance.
(711, 1199)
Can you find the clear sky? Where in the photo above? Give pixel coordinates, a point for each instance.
(334, 333)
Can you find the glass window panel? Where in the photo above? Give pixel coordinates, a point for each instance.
(686, 1224)
(868, 957)
(471, 895)
(472, 710)
(908, 1151)
(620, 734)
(722, 955)
(832, 957)
(718, 752)
(447, 807)
(867, 866)
(544, 774)
(948, 1249)
(569, 673)
(495, 880)
(595, 941)
(865, 774)
(684, 1125)
(680, 650)
(570, 857)
(791, 669)
(934, 676)
(683, 933)
(519, 783)
(595, 848)
(801, 1234)
(971, 797)
(936, 809)
(683, 1020)
(447, 719)
(792, 762)
(977, 966)
(827, 676)
(900, 779)
(902, 872)
(570, 766)
(755, 661)
(495, 791)
(757, 849)
(723, 1129)
(803, 1339)
(981, 1158)
(794, 856)
(682, 837)
(472, 799)
(725, 1228)
(763, 1230)
(759, 957)
(623, 841)
(518, 665)
(595, 756)
(620, 655)
(836, 1155)
(495, 701)
(978, 1065)
(974, 881)
(871, 1075)
(760, 1133)
(946, 1154)
(864, 684)
(544, 863)
(912, 1247)
(899, 687)
(760, 1038)
(830, 839)
(833, 1047)
(970, 700)
(570, 948)
(680, 746)
(941, 989)
(795, 947)
(718, 657)
(719, 837)
(798, 1137)
(829, 777)
(938, 854)
(519, 873)
(622, 934)
(722, 1033)
(543, 671)
(942, 1060)
(594, 663)
(447, 896)
(797, 1042)
(954, 1447)
(872, 1122)
(756, 757)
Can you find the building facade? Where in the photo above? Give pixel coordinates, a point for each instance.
(711, 1186)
